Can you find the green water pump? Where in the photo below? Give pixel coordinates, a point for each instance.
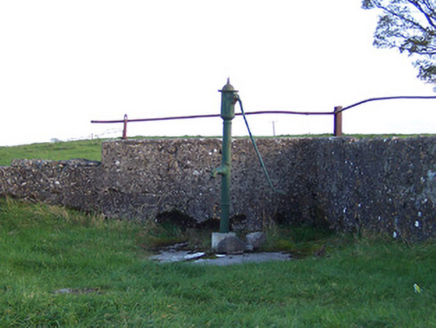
(228, 100)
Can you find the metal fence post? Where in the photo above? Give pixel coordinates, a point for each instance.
(125, 128)
(337, 130)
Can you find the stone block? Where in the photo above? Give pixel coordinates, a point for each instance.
(255, 239)
(231, 245)
(218, 236)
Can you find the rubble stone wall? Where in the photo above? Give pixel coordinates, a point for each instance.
(386, 185)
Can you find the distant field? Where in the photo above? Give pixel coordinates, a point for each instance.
(91, 149)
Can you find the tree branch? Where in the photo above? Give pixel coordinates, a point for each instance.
(409, 26)
(428, 17)
(401, 17)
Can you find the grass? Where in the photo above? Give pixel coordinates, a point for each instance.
(361, 282)
(91, 149)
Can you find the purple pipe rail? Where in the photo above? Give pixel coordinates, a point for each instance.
(337, 114)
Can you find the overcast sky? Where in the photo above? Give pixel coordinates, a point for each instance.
(65, 63)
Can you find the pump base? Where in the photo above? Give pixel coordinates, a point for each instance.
(218, 236)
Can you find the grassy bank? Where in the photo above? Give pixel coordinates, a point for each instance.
(89, 149)
(361, 282)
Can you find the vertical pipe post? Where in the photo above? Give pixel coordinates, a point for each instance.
(337, 131)
(228, 101)
(125, 127)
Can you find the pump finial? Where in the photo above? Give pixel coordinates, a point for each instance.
(228, 87)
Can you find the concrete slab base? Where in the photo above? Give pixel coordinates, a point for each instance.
(197, 258)
(245, 258)
(176, 256)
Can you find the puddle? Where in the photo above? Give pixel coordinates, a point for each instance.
(204, 258)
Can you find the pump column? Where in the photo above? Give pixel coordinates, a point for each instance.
(228, 100)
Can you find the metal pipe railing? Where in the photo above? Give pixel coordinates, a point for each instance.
(337, 114)
(385, 98)
(154, 119)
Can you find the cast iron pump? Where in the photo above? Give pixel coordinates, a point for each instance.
(229, 98)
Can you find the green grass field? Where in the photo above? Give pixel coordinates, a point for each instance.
(361, 282)
(89, 149)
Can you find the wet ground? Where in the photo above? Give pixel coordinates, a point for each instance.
(169, 256)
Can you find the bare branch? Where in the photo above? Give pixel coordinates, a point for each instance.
(428, 16)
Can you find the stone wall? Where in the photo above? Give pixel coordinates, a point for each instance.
(74, 183)
(386, 185)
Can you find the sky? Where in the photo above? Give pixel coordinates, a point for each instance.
(65, 63)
